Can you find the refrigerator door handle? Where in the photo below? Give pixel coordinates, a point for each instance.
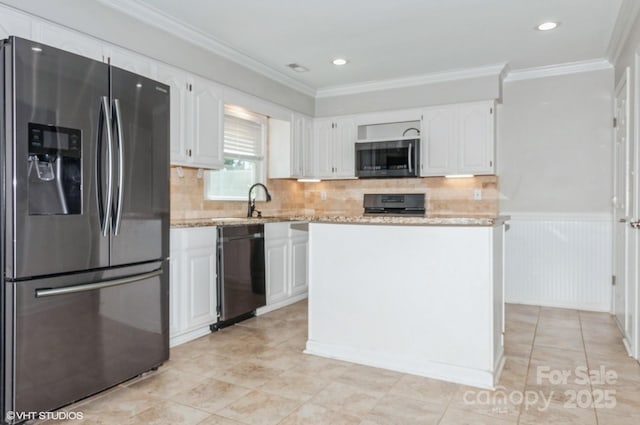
(105, 213)
(120, 187)
(84, 287)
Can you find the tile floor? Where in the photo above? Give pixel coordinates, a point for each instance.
(255, 373)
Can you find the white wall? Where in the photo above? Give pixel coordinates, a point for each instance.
(100, 21)
(555, 167)
(555, 144)
(440, 93)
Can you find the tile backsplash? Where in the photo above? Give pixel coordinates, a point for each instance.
(444, 197)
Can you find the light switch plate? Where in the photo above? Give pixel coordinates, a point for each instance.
(477, 194)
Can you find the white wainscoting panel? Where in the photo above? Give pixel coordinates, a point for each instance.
(559, 260)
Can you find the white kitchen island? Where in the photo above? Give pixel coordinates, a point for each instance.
(416, 295)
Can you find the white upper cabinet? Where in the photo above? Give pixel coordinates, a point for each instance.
(207, 113)
(344, 148)
(322, 134)
(178, 82)
(458, 139)
(334, 144)
(477, 140)
(300, 145)
(197, 119)
(438, 141)
(288, 147)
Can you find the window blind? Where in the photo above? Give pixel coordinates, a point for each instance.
(242, 137)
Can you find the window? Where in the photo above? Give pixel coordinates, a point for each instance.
(244, 141)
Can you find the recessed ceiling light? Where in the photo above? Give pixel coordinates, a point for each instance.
(297, 67)
(139, 85)
(36, 49)
(547, 26)
(340, 61)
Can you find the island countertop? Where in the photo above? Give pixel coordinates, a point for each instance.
(337, 219)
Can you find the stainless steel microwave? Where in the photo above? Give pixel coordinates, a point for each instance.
(389, 158)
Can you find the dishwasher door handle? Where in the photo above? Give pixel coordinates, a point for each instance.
(237, 238)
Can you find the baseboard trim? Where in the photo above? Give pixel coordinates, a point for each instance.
(414, 366)
(280, 304)
(188, 336)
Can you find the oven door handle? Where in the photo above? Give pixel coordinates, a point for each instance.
(84, 287)
(410, 158)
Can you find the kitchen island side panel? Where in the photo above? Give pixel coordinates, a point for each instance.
(417, 299)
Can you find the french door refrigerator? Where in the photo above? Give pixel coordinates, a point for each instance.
(84, 226)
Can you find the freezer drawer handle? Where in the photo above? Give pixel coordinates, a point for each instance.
(51, 292)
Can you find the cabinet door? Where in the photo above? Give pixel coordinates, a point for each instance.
(322, 140)
(299, 283)
(178, 81)
(344, 148)
(308, 154)
(208, 125)
(68, 40)
(201, 291)
(297, 146)
(476, 140)
(277, 266)
(13, 23)
(438, 139)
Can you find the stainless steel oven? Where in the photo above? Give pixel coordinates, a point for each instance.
(389, 158)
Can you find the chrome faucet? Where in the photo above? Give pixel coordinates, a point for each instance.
(251, 206)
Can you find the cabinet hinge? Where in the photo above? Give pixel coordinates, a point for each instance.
(613, 280)
(491, 110)
(490, 163)
(615, 122)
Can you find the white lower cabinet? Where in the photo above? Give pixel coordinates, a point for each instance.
(192, 295)
(286, 263)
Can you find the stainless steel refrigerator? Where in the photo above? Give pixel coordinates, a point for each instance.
(84, 226)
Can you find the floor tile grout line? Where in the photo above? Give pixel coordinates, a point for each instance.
(526, 377)
(586, 358)
(444, 412)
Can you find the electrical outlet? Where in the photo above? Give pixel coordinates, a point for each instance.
(477, 194)
(323, 196)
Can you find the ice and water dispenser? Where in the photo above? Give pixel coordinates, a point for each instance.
(54, 170)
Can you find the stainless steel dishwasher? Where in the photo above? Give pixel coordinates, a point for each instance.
(241, 272)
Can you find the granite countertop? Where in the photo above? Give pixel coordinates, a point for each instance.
(415, 221)
(392, 220)
(230, 221)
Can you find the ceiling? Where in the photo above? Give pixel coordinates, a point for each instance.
(392, 39)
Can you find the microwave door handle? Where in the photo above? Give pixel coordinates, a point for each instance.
(410, 157)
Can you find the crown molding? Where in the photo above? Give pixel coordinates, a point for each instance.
(158, 19)
(629, 11)
(416, 80)
(559, 69)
